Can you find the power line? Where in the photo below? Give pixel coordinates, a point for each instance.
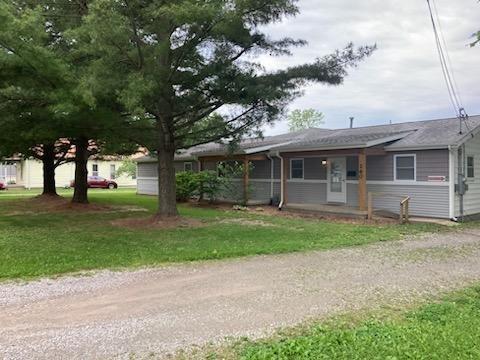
(447, 68)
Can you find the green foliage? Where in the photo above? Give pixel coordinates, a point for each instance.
(445, 330)
(127, 168)
(210, 184)
(187, 185)
(36, 243)
(188, 68)
(304, 119)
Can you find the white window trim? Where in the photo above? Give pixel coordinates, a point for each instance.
(95, 171)
(414, 167)
(303, 168)
(466, 167)
(191, 165)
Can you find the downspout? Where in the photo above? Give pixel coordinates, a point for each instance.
(451, 186)
(271, 176)
(282, 187)
(461, 179)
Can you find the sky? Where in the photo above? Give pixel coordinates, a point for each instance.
(402, 80)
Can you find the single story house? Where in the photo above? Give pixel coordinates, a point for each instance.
(435, 162)
(28, 173)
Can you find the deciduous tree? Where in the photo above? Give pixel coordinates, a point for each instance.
(304, 119)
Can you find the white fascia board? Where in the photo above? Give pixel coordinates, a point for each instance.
(416, 147)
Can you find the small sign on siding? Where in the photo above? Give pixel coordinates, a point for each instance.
(437, 178)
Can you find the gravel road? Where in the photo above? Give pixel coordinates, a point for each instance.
(116, 314)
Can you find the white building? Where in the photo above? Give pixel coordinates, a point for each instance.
(28, 173)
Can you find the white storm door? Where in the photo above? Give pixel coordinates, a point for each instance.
(336, 180)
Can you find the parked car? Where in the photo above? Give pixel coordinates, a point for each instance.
(98, 182)
(3, 186)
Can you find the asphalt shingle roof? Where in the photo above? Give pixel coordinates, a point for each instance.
(402, 136)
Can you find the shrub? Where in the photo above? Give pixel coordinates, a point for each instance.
(210, 185)
(187, 185)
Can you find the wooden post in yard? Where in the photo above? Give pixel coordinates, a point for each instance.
(246, 180)
(362, 180)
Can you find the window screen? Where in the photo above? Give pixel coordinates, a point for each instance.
(297, 168)
(405, 167)
(187, 166)
(470, 167)
(113, 171)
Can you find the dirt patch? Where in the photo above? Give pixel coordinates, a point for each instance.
(247, 222)
(56, 204)
(294, 214)
(155, 223)
(51, 204)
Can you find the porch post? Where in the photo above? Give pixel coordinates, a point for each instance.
(362, 180)
(285, 172)
(245, 179)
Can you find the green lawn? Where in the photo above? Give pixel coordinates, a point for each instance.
(36, 243)
(444, 330)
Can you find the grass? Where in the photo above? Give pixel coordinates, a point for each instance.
(447, 329)
(34, 243)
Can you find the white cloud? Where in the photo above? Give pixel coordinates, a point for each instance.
(402, 81)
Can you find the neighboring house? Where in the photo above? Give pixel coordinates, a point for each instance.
(321, 166)
(28, 173)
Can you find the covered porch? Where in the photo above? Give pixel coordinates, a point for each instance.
(333, 181)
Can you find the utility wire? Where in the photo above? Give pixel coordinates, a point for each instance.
(442, 36)
(446, 65)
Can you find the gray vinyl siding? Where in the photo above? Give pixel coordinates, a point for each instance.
(425, 200)
(471, 199)
(261, 169)
(147, 170)
(313, 169)
(260, 191)
(180, 165)
(306, 193)
(150, 169)
(277, 188)
(147, 186)
(429, 163)
(277, 168)
(380, 168)
(432, 163)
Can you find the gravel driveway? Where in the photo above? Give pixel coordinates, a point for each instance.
(115, 314)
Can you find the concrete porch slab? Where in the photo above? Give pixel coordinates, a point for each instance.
(331, 209)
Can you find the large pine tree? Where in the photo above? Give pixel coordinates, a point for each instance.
(190, 67)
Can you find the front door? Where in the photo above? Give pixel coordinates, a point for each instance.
(336, 180)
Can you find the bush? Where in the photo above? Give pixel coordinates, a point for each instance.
(187, 185)
(209, 184)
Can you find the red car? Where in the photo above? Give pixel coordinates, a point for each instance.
(3, 186)
(98, 182)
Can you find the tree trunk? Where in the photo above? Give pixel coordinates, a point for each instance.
(167, 200)
(80, 193)
(48, 160)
